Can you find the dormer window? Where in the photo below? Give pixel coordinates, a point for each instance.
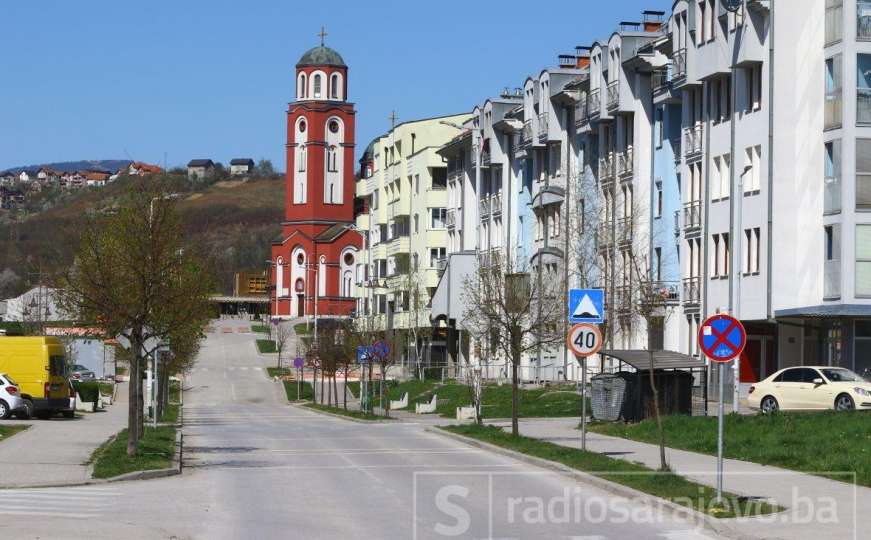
(317, 86)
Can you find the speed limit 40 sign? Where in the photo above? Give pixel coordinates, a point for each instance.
(584, 339)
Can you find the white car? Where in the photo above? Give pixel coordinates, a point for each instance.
(807, 388)
(10, 397)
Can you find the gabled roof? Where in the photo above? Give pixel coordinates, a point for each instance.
(201, 163)
(331, 233)
(242, 161)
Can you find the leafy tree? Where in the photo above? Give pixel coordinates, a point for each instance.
(134, 275)
(264, 168)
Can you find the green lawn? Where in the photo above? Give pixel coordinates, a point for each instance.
(106, 388)
(266, 346)
(170, 414)
(301, 329)
(556, 401)
(349, 413)
(276, 372)
(260, 328)
(8, 431)
(665, 485)
(814, 443)
(156, 449)
(290, 388)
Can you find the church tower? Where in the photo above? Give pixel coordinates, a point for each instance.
(314, 262)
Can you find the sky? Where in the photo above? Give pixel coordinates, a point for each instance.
(172, 80)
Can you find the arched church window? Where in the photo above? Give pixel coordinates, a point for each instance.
(334, 126)
(332, 165)
(317, 85)
(334, 86)
(302, 126)
(302, 159)
(300, 259)
(302, 86)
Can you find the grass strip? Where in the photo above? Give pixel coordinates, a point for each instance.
(666, 485)
(305, 390)
(265, 346)
(814, 443)
(8, 431)
(259, 329)
(278, 372)
(349, 413)
(156, 450)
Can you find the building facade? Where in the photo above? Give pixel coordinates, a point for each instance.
(314, 261)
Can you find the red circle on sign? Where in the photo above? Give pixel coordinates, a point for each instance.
(722, 338)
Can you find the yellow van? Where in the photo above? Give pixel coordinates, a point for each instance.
(38, 365)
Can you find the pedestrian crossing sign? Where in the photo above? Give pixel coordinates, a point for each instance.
(587, 306)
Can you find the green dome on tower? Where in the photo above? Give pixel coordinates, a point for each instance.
(321, 56)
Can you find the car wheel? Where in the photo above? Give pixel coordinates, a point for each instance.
(27, 412)
(4, 410)
(769, 405)
(844, 403)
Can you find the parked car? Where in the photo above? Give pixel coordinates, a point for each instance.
(10, 397)
(811, 388)
(81, 373)
(38, 364)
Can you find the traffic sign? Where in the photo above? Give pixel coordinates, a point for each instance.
(587, 306)
(364, 353)
(381, 349)
(298, 362)
(584, 339)
(722, 338)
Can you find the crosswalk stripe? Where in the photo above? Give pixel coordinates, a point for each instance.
(26, 512)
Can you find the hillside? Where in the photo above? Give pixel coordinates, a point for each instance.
(232, 221)
(108, 165)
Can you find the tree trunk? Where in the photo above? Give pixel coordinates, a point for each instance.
(663, 465)
(335, 390)
(345, 390)
(135, 387)
(322, 387)
(384, 403)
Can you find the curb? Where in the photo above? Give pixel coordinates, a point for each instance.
(681, 512)
(343, 417)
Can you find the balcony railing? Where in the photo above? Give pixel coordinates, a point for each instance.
(581, 112)
(542, 126)
(679, 64)
(485, 158)
(441, 265)
(623, 298)
(832, 195)
(603, 235)
(613, 94)
(691, 290)
(625, 162)
(624, 230)
(692, 140)
(594, 103)
(863, 105)
(661, 292)
(834, 110)
(526, 133)
(692, 215)
(832, 279)
(606, 168)
(659, 80)
(451, 218)
(484, 206)
(496, 203)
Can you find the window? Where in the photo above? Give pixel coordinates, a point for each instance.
(660, 127)
(334, 86)
(659, 201)
(316, 80)
(720, 255)
(753, 75)
(332, 165)
(752, 176)
(830, 243)
(725, 177)
(438, 216)
(416, 223)
(751, 251)
(834, 101)
(302, 158)
(835, 20)
(863, 260)
(863, 348)
(300, 93)
(863, 19)
(863, 90)
(375, 200)
(435, 255)
(863, 174)
(715, 180)
(555, 222)
(416, 184)
(832, 179)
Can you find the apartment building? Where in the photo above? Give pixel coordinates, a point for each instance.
(401, 208)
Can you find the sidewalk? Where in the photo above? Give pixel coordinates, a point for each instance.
(809, 499)
(55, 451)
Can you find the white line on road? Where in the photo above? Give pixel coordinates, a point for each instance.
(233, 391)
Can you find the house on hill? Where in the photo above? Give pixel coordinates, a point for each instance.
(25, 176)
(7, 178)
(48, 175)
(10, 198)
(201, 168)
(139, 168)
(241, 166)
(95, 178)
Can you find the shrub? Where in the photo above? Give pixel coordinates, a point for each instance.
(88, 391)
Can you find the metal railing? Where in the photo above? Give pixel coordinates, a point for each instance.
(659, 80)
(496, 203)
(603, 234)
(679, 64)
(526, 133)
(606, 167)
(691, 290)
(594, 103)
(581, 114)
(484, 206)
(692, 215)
(624, 230)
(625, 162)
(542, 126)
(692, 140)
(661, 292)
(613, 94)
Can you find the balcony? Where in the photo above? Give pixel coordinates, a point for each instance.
(454, 217)
(832, 280)
(624, 230)
(658, 293)
(606, 168)
(625, 162)
(660, 81)
(594, 103)
(455, 175)
(542, 127)
(692, 292)
(526, 134)
(484, 208)
(832, 195)
(485, 158)
(692, 140)
(834, 109)
(582, 116)
(613, 95)
(863, 106)
(441, 265)
(679, 64)
(496, 204)
(623, 298)
(603, 235)
(692, 215)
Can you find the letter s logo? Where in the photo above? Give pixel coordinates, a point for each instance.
(458, 513)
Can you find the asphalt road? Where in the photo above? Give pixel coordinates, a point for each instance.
(257, 467)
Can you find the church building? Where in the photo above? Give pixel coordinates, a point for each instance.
(314, 260)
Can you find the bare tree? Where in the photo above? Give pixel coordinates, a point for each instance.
(281, 334)
(419, 325)
(514, 313)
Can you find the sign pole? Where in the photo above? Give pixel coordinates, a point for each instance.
(720, 407)
(583, 362)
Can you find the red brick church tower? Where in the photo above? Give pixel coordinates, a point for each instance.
(315, 258)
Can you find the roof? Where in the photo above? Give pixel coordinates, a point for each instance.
(369, 153)
(321, 56)
(201, 163)
(640, 359)
(145, 167)
(242, 161)
(95, 175)
(331, 233)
